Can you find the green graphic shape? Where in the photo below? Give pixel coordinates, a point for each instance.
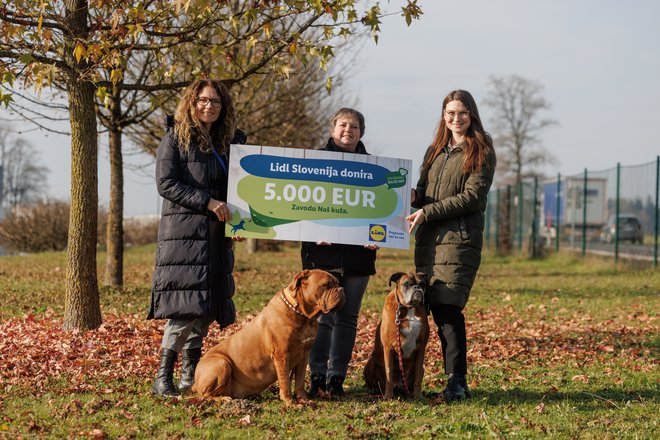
(246, 227)
(278, 201)
(396, 179)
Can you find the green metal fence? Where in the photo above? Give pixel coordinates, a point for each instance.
(612, 212)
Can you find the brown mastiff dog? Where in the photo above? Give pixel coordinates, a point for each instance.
(274, 344)
(409, 336)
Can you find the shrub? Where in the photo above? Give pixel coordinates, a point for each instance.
(138, 231)
(42, 226)
(36, 227)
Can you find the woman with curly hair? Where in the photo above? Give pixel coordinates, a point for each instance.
(455, 177)
(192, 282)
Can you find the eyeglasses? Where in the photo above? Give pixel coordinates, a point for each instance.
(203, 101)
(461, 115)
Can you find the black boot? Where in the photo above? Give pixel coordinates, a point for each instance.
(189, 362)
(164, 384)
(318, 383)
(335, 386)
(457, 388)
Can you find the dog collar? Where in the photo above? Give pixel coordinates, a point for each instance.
(293, 306)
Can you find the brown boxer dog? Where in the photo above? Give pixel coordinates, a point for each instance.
(274, 344)
(382, 373)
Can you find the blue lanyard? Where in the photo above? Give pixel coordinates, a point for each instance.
(222, 163)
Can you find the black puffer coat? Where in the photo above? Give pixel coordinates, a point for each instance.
(194, 261)
(341, 259)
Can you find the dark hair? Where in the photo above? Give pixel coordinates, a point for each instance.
(345, 111)
(188, 129)
(478, 143)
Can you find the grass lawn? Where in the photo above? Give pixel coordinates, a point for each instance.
(563, 347)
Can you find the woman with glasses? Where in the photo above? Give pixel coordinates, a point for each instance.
(455, 176)
(192, 282)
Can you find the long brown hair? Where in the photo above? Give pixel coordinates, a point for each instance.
(189, 130)
(478, 143)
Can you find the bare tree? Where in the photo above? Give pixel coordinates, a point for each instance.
(517, 122)
(23, 176)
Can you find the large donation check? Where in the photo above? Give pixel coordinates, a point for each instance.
(313, 195)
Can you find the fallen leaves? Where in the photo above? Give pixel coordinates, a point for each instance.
(36, 350)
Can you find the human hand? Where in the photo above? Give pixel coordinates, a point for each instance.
(373, 247)
(238, 239)
(220, 209)
(414, 219)
(323, 243)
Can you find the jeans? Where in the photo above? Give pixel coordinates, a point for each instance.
(185, 334)
(333, 347)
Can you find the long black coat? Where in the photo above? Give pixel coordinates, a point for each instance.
(194, 261)
(341, 259)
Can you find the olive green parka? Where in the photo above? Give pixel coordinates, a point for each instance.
(449, 239)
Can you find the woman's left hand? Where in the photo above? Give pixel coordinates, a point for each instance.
(414, 219)
(238, 239)
(373, 247)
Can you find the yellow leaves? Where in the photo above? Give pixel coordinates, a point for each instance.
(252, 41)
(79, 52)
(267, 27)
(116, 75)
(285, 70)
(410, 11)
(293, 48)
(328, 85)
(102, 93)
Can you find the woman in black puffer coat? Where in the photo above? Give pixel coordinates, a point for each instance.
(353, 265)
(192, 282)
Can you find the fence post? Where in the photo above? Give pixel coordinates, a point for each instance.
(489, 201)
(497, 222)
(616, 213)
(519, 225)
(584, 214)
(558, 223)
(657, 210)
(535, 219)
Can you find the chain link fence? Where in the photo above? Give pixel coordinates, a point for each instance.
(612, 212)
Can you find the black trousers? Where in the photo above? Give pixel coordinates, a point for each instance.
(451, 329)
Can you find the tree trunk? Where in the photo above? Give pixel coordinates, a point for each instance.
(82, 310)
(114, 263)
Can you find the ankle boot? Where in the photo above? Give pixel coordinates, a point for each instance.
(164, 384)
(457, 388)
(335, 386)
(189, 361)
(318, 383)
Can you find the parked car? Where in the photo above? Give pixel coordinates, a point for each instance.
(630, 229)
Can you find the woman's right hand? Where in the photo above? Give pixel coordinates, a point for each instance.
(220, 209)
(415, 219)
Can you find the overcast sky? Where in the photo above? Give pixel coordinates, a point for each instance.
(598, 60)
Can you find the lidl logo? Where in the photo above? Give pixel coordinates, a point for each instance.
(377, 232)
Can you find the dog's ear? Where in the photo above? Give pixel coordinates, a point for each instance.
(298, 279)
(396, 277)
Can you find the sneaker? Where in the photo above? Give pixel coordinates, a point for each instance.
(318, 383)
(335, 386)
(457, 388)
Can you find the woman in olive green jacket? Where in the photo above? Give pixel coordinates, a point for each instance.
(455, 177)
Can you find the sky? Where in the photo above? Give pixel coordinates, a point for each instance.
(598, 61)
